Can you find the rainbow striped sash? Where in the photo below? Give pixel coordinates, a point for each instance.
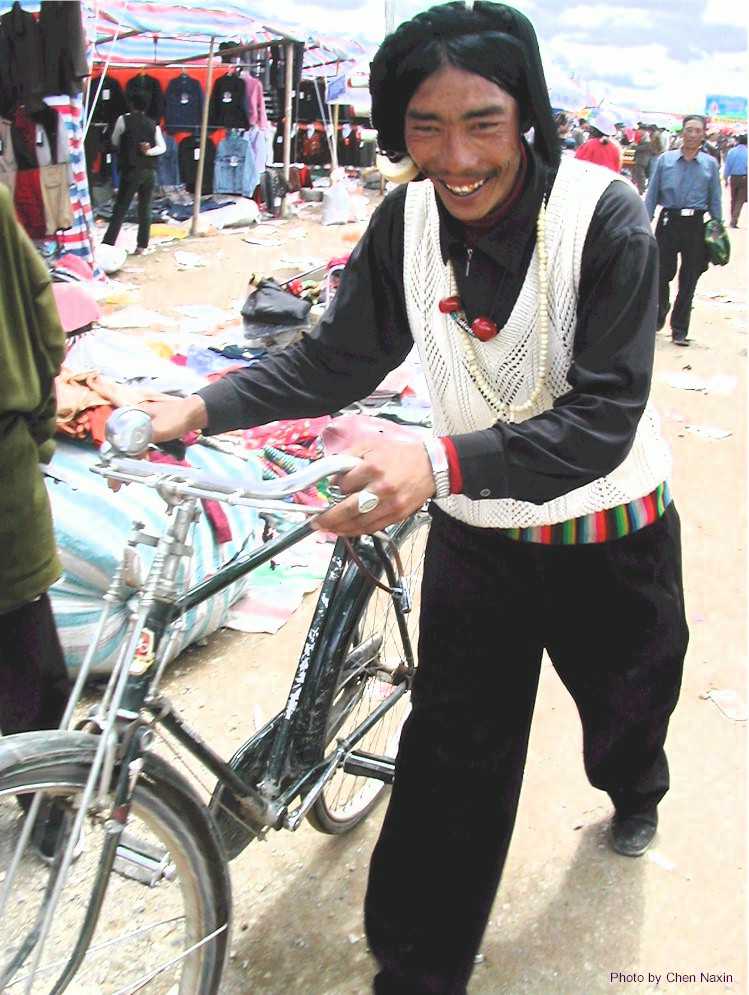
(599, 526)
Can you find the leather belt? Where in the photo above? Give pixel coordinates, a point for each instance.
(684, 212)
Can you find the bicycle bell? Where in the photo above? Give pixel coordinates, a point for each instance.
(129, 431)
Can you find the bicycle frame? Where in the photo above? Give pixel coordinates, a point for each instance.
(131, 706)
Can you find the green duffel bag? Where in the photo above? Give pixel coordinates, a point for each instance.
(717, 244)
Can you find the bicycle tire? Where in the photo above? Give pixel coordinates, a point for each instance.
(169, 811)
(373, 613)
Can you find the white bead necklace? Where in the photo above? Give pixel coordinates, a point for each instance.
(511, 412)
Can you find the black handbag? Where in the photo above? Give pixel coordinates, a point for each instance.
(272, 317)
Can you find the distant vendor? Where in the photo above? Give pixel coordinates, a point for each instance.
(139, 141)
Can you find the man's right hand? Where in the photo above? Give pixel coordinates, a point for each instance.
(173, 419)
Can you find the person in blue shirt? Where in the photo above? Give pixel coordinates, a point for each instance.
(686, 184)
(734, 173)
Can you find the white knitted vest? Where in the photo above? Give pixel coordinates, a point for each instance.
(511, 359)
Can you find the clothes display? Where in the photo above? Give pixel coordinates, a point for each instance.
(149, 88)
(235, 169)
(34, 165)
(189, 155)
(255, 101)
(167, 165)
(111, 103)
(64, 46)
(22, 44)
(58, 211)
(228, 107)
(183, 103)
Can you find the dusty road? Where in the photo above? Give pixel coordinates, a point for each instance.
(571, 918)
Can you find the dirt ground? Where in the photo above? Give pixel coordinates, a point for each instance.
(571, 917)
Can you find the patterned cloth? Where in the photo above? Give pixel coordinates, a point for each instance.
(78, 238)
(600, 526)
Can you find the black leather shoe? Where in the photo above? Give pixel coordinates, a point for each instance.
(678, 337)
(631, 835)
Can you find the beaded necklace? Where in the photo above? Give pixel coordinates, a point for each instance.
(483, 332)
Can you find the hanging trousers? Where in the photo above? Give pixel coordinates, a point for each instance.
(34, 683)
(738, 198)
(141, 182)
(611, 617)
(679, 236)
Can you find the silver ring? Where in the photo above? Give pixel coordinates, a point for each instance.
(367, 501)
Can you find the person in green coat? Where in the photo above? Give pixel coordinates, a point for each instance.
(34, 684)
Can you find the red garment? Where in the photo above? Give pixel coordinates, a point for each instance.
(27, 198)
(607, 154)
(285, 434)
(214, 512)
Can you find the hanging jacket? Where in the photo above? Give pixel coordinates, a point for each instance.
(188, 164)
(228, 108)
(111, 103)
(183, 103)
(150, 88)
(64, 46)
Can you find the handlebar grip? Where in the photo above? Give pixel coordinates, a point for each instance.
(129, 431)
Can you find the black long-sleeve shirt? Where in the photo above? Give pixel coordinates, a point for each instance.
(365, 333)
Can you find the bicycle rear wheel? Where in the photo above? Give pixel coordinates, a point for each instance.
(370, 650)
(169, 891)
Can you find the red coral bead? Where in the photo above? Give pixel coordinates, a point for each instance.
(449, 305)
(484, 329)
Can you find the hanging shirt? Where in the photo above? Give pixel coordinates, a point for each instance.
(64, 45)
(255, 101)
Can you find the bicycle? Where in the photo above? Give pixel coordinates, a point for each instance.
(137, 860)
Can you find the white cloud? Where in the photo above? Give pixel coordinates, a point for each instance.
(604, 16)
(724, 12)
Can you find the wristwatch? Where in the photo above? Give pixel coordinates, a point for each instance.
(440, 467)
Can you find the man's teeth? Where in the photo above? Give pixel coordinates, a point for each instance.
(465, 190)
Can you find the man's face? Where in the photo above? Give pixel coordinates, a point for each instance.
(693, 135)
(463, 133)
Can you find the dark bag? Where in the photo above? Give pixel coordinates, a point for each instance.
(271, 310)
(716, 243)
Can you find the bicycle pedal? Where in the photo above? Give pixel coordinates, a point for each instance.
(141, 861)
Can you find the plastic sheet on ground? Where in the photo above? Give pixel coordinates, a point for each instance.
(710, 433)
(91, 526)
(729, 703)
(720, 383)
(274, 594)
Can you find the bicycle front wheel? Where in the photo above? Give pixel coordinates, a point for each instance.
(370, 651)
(163, 925)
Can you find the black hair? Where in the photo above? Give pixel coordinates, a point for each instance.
(741, 139)
(491, 40)
(138, 101)
(595, 133)
(694, 117)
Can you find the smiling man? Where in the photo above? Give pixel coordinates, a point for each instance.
(529, 288)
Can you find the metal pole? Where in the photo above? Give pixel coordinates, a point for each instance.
(288, 110)
(203, 141)
(334, 145)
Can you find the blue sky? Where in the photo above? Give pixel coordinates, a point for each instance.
(653, 57)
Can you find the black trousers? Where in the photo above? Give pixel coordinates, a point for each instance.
(141, 183)
(34, 683)
(685, 237)
(611, 617)
(738, 197)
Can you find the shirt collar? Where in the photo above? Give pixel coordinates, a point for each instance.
(506, 241)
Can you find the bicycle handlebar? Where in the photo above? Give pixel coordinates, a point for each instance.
(129, 433)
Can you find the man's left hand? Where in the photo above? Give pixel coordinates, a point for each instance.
(398, 472)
